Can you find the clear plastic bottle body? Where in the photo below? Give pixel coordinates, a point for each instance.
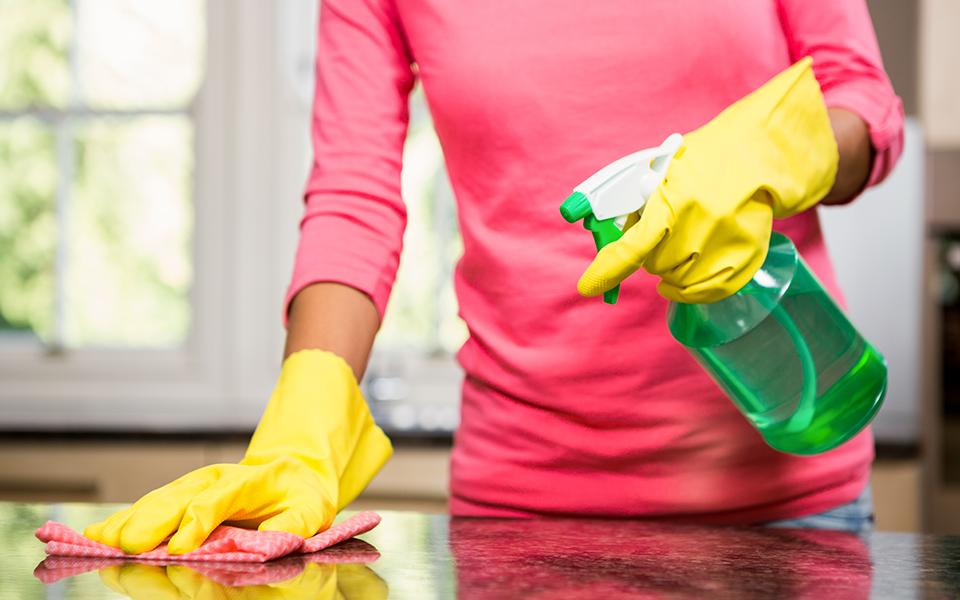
(787, 356)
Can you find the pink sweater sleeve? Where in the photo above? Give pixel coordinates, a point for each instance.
(839, 35)
(353, 225)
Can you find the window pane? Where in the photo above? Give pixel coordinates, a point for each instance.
(128, 269)
(34, 37)
(28, 227)
(139, 54)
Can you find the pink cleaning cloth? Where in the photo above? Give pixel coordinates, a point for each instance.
(225, 544)
(230, 574)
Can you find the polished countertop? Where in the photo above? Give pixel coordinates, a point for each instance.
(413, 555)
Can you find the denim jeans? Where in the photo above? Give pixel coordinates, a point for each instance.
(854, 516)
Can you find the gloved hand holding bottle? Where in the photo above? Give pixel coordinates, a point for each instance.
(706, 229)
(314, 451)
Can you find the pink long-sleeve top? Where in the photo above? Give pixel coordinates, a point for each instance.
(570, 406)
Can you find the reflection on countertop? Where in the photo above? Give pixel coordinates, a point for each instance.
(433, 556)
(206, 581)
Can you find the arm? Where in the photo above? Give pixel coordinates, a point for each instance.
(856, 155)
(865, 113)
(336, 318)
(317, 445)
(352, 229)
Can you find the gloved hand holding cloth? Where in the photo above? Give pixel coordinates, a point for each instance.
(314, 451)
(706, 229)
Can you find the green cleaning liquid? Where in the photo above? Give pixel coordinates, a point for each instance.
(787, 356)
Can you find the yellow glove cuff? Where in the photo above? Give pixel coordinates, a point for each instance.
(318, 415)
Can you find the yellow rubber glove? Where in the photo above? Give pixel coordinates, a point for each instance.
(318, 581)
(706, 229)
(314, 451)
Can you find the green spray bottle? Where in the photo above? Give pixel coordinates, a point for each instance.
(781, 348)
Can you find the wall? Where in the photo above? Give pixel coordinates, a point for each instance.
(939, 100)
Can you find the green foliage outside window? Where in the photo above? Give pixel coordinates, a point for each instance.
(34, 42)
(28, 225)
(96, 169)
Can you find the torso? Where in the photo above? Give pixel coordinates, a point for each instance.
(572, 406)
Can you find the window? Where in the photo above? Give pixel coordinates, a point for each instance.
(108, 323)
(127, 194)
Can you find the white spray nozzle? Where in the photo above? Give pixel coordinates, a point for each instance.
(625, 185)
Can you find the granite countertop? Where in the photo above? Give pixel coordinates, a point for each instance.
(413, 555)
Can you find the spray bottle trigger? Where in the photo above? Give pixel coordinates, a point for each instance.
(604, 232)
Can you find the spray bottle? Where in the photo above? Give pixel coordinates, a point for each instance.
(781, 348)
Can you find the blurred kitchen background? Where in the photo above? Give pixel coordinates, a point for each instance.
(152, 155)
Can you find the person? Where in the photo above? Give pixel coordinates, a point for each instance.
(569, 407)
